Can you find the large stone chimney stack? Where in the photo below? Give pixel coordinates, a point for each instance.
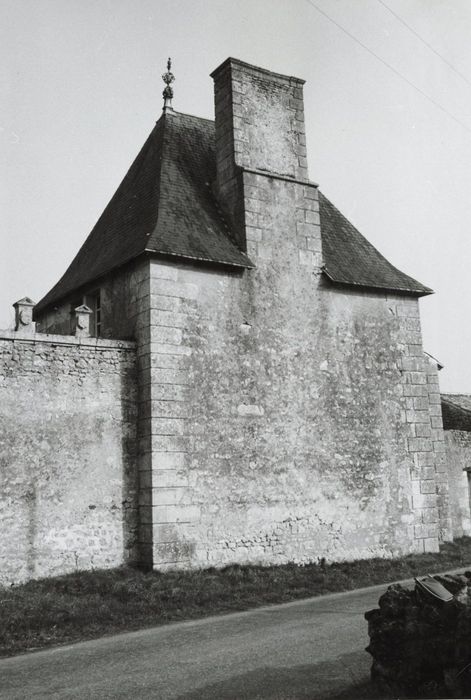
(259, 121)
(260, 141)
(259, 126)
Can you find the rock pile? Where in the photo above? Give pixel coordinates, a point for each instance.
(421, 645)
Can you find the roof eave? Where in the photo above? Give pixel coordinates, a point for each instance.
(248, 265)
(40, 307)
(422, 292)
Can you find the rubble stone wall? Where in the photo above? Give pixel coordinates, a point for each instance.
(68, 492)
(458, 463)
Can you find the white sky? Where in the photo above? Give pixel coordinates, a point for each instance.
(81, 90)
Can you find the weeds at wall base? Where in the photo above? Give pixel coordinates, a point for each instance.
(89, 604)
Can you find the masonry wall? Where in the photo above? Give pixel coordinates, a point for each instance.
(68, 491)
(458, 459)
(290, 418)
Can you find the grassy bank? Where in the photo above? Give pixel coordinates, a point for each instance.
(85, 605)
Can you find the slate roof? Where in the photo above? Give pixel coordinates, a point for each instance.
(350, 259)
(456, 411)
(165, 206)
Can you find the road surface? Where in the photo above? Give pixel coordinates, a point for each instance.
(311, 649)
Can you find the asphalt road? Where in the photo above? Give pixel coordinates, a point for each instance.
(312, 649)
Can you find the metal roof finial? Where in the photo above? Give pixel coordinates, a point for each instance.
(168, 79)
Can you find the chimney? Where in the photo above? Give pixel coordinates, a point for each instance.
(259, 126)
(261, 141)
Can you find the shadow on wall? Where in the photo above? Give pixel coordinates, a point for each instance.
(30, 498)
(130, 475)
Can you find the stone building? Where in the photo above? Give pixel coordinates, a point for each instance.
(253, 387)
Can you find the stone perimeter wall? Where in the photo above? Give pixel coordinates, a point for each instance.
(68, 490)
(458, 461)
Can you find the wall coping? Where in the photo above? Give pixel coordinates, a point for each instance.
(71, 340)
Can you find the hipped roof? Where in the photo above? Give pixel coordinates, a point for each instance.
(165, 206)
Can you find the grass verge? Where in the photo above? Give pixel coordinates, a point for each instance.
(89, 604)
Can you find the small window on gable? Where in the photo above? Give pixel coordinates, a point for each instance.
(93, 301)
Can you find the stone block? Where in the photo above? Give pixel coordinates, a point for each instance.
(167, 392)
(172, 552)
(167, 336)
(419, 445)
(170, 443)
(422, 430)
(167, 426)
(167, 348)
(170, 376)
(412, 364)
(429, 515)
(314, 244)
(312, 217)
(170, 288)
(163, 271)
(171, 319)
(254, 234)
(420, 403)
(418, 378)
(413, 416)
(169, 496)
(175, 514)
(166, 478)
(304, 229)
(169, 461)
(427, 473)
(169, 409)
(435, 410)
(415, 390)
(431, 544)
(425, 531)
(428, 486)
(425, 500)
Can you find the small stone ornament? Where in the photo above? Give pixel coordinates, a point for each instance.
(82, 321)
(24, 315)
(168, 79)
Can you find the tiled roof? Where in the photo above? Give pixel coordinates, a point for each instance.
(165, 206)
(456, 411)
(350, 259)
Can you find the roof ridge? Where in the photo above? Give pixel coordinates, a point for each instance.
(163, 118)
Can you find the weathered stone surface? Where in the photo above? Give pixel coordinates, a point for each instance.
(458, 465)
(67, 455)
(280, 417)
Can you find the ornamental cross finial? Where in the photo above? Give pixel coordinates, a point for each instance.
(168, 79)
